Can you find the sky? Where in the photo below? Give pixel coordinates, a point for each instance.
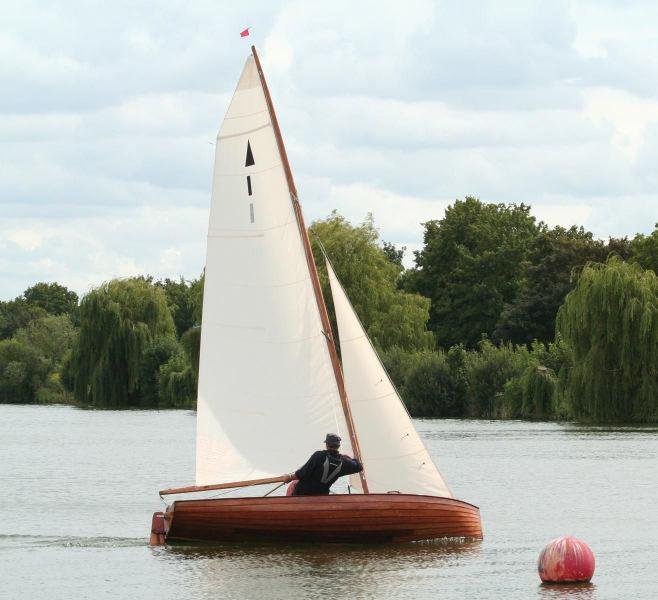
(109, 112)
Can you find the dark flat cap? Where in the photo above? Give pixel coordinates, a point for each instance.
(332, 439)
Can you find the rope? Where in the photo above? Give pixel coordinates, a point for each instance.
(274, 489)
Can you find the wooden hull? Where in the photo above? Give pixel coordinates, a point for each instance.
(356, 518)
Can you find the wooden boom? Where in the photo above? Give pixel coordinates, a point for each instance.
(222, 486)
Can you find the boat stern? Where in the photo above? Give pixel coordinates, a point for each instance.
(158, 530)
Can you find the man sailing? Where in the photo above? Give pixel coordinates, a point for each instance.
(322, 469)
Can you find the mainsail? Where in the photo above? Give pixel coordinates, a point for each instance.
(267, 391)
(394, 456)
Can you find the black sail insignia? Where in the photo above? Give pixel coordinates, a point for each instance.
(249, 161)
(250, 156)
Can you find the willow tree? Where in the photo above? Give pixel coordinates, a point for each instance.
(610, 321)
(117, 322)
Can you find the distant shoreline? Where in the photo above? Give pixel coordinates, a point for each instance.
(626, 425)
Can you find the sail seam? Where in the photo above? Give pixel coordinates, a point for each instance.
(215, 232)
(353, 339)
(235, 326)
(250, 171)
(269, 342)
(248, 131)
(394, 456)
(264, 287)
(236, 236)
(258, 112)
(373, 397)
(285, 342)
(304, 397)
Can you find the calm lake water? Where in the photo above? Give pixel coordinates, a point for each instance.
(79, 487)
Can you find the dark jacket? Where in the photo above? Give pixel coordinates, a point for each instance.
(321, 471)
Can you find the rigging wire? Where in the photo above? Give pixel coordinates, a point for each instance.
(274, 489)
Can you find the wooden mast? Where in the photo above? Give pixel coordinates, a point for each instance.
(317, 289)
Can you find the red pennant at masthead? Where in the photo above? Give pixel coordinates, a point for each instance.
(244, 33)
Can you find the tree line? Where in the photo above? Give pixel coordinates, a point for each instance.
(501, 317)
(128, 343)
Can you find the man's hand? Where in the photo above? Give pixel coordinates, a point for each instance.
(288, 477)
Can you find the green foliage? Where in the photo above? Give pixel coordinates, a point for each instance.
(433, 388)
(51, 336)
(390, 316)
(37, 301)
(184, 299)
(428, 389)
(530, 395)
(68, 370)
(511, 399)
(127, 335)
(157, 352)
(610, 322)
(191, 344)
(555, 258)
(470, 267)
(15, 314)
(457, 359)
(621, 247)
(645, 250)
(538, 387)
(532, 392)
(179, 376)
(177, 382)
(118, 320)
(30, 361)
(22, 371)
(395, 255)
(196, 295)
(53, 391)
(491, 382)
(431, 383)
(488, 371)
(54, 298)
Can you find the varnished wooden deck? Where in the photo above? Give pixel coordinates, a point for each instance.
(356, 518)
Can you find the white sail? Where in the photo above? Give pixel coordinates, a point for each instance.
(267, 391)
(394, 456)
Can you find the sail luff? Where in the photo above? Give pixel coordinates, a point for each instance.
(275, 125)
(322, 307)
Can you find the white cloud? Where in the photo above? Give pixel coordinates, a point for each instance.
(25, 238)
(85, 251)
(626, 113)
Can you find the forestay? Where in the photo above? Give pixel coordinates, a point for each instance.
(267, 391)
(394, 457)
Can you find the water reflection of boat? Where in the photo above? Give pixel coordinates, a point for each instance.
(318, 557)
(287, 570)
(270, 380)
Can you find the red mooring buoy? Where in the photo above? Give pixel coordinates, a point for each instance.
(566, 560)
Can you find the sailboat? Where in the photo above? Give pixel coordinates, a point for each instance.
(271, 383)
